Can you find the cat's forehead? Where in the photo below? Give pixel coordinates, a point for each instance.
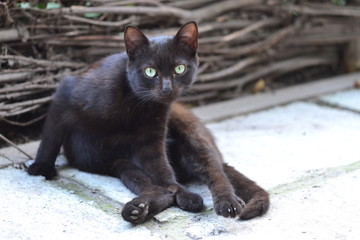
(161, 40)
(161, 45)
(162, 51)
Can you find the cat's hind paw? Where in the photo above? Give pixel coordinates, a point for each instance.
(41, 169)
(189, 201)
(136, 211)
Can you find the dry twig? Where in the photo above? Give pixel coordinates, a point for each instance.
(15, 146)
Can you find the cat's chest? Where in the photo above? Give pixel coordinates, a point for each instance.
(128, 125)
(129, 132)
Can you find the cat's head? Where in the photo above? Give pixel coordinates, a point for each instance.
(160, 69)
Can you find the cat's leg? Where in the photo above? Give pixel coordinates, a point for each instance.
(51, 141)
(200, 163)
(151, 199)
(84, 153)
(153, 160)
(193, 151)
(255, 197)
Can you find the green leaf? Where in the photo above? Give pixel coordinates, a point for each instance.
(92, 15)
(24, 5)
(52, 5)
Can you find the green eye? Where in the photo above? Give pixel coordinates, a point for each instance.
(150, 72)
(179, 69)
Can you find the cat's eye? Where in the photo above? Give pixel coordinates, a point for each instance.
(150, 72)
(180, 69)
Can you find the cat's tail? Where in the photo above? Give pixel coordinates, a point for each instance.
(256, 198)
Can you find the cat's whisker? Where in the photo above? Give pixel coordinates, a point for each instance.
(188, 93)
(143, 97)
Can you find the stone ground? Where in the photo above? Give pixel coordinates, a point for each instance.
(304, 149)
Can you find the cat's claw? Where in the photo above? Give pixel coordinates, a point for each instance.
(229, 207)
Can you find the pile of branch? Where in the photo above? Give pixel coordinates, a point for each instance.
(241, 42)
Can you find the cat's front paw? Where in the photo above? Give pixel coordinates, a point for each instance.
(229, 206)
(189, 201)
(41, 169)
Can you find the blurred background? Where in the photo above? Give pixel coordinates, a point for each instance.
(246, 46)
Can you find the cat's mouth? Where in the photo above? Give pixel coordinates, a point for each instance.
(166, 98)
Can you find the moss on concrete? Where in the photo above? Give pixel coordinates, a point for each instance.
(315, 177)
(90, 196)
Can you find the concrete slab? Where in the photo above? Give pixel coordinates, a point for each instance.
(32, 208)
(4, 161)
(15, 155)
(280, 144)
(347, 99)
(103, 185)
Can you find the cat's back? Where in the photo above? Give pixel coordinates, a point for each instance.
(109, 70)
(96, 85)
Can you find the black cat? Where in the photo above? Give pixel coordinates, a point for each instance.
(119, 118)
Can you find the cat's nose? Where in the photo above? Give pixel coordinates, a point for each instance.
(166, 86)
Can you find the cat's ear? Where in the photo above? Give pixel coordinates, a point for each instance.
(135, 40)
(188, 36)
